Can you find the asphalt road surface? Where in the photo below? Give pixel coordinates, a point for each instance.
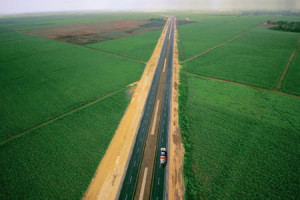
(128, 189)
(159, 191)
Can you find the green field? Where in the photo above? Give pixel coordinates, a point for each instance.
(58, 161)
(291, 83)
(18, 45)
(241, 143)
(208, 32)
(45, 84)
(32, 21)
(213, 29)
(256, 58)
(138, 47)
(71, 99)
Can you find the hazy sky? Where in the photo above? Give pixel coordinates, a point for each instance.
(21, 6)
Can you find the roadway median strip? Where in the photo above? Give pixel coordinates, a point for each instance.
(144, 183)
(155, 116)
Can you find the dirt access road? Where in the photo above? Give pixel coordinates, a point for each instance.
(108, 176)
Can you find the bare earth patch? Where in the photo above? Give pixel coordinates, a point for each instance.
(97, 32)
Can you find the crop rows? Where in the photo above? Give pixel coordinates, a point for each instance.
(242, 143)
(197, 37)
(291, 83)
(138, 47)
(58, 160)
(257, 58)
(37, 85)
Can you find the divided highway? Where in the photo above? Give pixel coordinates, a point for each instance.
(131, 178)
(159, 191)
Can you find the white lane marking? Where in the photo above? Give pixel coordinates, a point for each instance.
(158, 180)
(155, 115)
(130, 179)
(134, 163)
(126, 196)
(162, 140)
(143, 183)
(138, 149)
(165, 65)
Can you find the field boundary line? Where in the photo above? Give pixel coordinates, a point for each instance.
(86, 47)
(283, 75)
(242, 84)
(218, 45)
(108, 52)
(24, 132)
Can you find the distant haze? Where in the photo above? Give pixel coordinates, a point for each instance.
(25, 6)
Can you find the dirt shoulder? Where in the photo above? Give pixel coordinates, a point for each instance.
(108, 177)
(176, 182)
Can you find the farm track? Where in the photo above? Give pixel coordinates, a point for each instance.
(2, 142)
(242, 84)
(108, 52)
(221, 44)
(279, 84)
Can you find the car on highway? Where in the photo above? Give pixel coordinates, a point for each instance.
(163, 156)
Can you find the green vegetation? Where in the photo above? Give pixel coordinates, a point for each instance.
(208, 32)
(31, 21)
(20, 45)
(138, 47)
(256, 58)
(11, 36)
(41, 79)
(241, 143)
(291, 83)
(47, 78)
(286, 26)
(58, 161)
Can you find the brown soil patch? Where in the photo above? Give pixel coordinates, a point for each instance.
(176, 182)
(268, 25)
(108, 177)
(131, 90)
(98, 31)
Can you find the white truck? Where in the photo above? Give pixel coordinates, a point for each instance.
(163, 156)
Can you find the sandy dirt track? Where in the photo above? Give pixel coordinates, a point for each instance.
(176, 183)
(108, 177)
